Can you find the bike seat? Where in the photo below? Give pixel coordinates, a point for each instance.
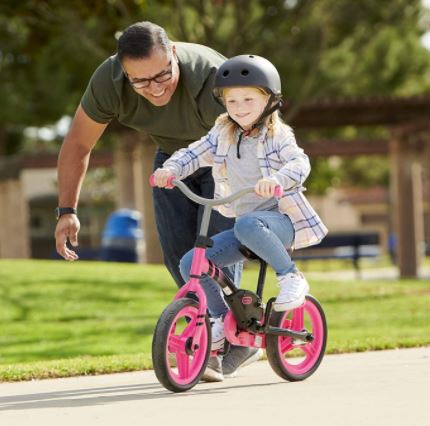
(248, 253)
(251, 255)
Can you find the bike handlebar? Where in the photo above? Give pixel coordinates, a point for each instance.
(172, 182)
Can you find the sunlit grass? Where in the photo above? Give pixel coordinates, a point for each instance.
(60, 319)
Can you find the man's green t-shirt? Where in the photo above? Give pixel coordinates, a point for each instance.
(188, 116)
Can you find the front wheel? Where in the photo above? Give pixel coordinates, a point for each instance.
(293, 359)
(178, 363)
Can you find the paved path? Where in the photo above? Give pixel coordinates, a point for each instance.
(368, 389)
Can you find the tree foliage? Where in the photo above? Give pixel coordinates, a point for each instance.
(322, 48)
(48, 51)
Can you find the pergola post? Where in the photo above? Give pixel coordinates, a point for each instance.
(133, 160)
(425, 161)
(143, 165)
(406, 194)
(123, 159)
(14, 237)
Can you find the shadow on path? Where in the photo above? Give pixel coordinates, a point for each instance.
(106, 395)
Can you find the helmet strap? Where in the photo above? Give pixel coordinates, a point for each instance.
(269, 109)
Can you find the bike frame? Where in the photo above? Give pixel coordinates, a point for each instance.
(202, 266)
(180, 354)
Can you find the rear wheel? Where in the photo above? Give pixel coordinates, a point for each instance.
(178, 364)
(293, 359)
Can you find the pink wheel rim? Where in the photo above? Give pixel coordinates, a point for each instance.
(188, 366)
(311, 350)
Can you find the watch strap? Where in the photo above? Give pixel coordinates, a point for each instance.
(60, 211)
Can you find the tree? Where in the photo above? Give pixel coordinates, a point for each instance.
(324, 48)
(48, 51)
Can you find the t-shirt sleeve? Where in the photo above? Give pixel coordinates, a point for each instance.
(100, 101)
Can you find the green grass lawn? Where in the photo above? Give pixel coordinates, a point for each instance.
(61, 319)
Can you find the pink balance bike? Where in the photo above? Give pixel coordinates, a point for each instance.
(294, 340)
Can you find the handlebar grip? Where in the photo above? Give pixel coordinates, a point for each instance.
(278, 191)
(169, 182)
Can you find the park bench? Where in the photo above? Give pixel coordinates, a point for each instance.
(350, 246)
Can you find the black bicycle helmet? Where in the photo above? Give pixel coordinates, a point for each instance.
(248, 70)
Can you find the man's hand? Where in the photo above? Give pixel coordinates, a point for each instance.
(67, 228)
(265, 188)
(161, 177)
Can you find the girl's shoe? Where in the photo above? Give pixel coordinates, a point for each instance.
(294, 288)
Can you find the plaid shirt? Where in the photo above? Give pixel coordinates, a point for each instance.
(280, 159)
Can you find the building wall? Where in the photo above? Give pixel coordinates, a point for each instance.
(36, 200)
(342, 214)
(337, 214)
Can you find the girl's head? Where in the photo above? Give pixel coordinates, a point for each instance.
(250, 88)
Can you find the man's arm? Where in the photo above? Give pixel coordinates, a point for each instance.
(72, 166)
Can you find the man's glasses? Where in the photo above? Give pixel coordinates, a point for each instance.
(162, 77)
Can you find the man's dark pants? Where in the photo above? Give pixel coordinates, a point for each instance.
(178, 218)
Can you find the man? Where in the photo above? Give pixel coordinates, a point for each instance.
(165, 89)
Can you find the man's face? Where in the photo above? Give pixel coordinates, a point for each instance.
(159, 74)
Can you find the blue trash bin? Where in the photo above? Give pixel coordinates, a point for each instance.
(122, 237)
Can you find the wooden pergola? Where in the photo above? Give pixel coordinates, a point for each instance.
(408, 122)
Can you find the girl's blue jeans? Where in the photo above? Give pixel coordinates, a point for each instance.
(266, 233)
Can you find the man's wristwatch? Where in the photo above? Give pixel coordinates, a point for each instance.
(60, 211)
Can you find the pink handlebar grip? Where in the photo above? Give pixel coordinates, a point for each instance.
(169, 182)
(278, 191)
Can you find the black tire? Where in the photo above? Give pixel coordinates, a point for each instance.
(176, 315)
(289, 368)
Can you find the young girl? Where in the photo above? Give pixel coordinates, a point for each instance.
(251, 146)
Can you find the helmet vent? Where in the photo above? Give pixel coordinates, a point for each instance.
(244, 72)
(225, 73)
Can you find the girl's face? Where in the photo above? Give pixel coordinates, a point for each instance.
(245, 104)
